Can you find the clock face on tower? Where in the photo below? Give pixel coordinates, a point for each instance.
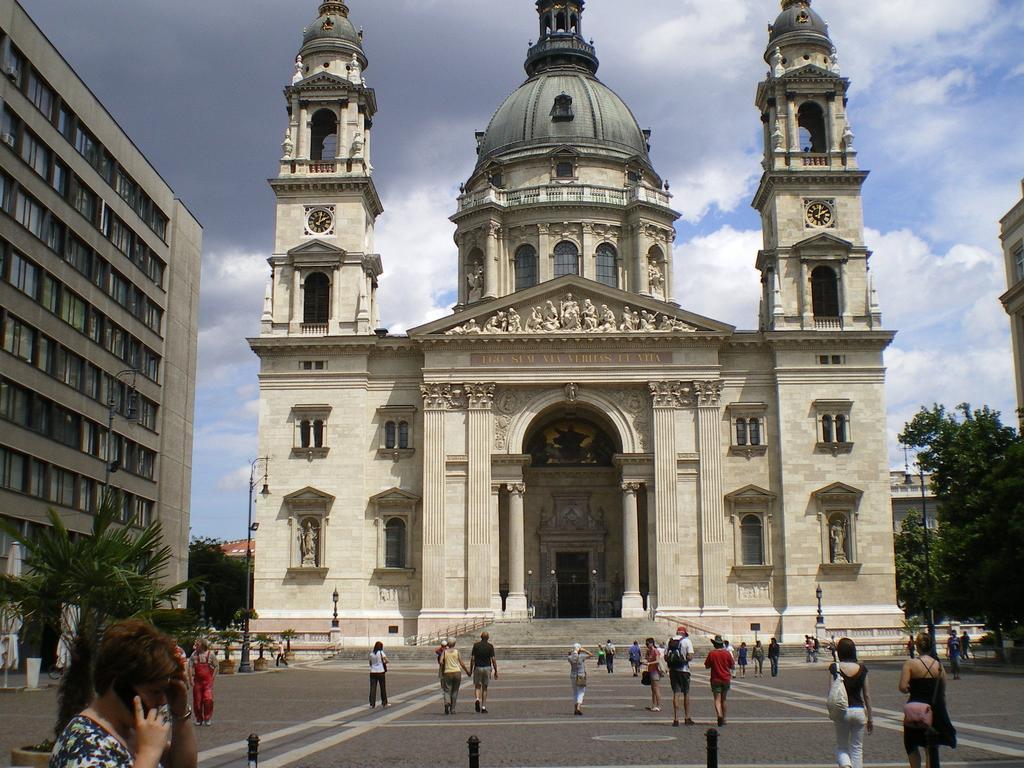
(819, 214)
(319, 221)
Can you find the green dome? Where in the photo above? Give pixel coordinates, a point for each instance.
(596, 118)
(332, 30)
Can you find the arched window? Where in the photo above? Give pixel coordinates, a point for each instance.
(574, 24)
(754, 427)
(317, 299)
(840, 428)
(752, 540)
(567, 259)
(318, 433)
(827, 429)
(824, 292)
(526, 267)
(403, 435)
(811, 120)
(304, 433)
(323, 142)
(741, 431)
(394, 543)
(390, 432)
(607, 265)
(560, 20)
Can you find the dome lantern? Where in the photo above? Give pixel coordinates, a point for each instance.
(561, 42)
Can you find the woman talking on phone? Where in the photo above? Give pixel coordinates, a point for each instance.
(137, 674)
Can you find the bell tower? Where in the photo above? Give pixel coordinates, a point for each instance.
(815, 266)
(325, 272)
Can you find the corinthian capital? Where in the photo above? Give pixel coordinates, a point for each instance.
(671, 394)
(709, 393)
(441, 397)
(516, 489)
(479, 396)
(632, 487)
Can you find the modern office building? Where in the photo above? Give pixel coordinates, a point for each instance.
(99, 289)
(1013, 299)
(570, 440)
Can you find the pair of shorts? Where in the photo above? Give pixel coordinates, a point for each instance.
(482, 676)
(720, 687)
(655, 674)
(680, 680)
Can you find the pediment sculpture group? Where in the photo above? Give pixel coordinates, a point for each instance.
(572, 316)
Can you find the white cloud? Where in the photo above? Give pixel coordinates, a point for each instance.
(231, 299)
(236, 480)
(715, 275)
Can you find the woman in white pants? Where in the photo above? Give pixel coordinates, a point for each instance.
(850, 730)
(578, 675)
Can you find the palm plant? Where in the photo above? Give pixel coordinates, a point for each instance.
(113, 573)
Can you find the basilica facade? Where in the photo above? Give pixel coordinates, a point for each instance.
(570, 441)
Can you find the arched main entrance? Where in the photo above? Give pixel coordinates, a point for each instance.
(573, 511)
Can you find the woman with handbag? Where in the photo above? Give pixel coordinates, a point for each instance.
(852, 720)
(578, 675)
(652, 657)
(378, 675)
(926, 723)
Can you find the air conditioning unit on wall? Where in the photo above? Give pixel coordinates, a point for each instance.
(8, 139)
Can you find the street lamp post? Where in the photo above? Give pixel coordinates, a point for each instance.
(334, 621)
(819, 624)
(202, 607)
(929, 608)
(245, 665)
(127, 376)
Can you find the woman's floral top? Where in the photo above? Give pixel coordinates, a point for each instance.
(86, 744)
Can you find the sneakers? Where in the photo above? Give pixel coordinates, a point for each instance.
(483, 710)
(688, 721)
(477, 705)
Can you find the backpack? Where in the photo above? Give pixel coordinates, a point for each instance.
(675, 658)
(837, 700)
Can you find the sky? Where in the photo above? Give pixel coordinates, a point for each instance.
(936, 103)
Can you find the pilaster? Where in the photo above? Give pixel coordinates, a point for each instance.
(479, 398)
(712, 519)
(436, 400)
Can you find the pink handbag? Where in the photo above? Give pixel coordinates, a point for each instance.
(917, 715)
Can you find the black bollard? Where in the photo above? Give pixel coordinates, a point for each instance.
(254, 750)
(712, 735)
(474, 752)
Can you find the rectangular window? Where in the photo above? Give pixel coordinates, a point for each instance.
(9, 127)
(12, 470)
(1018, 260)
(94, 325)
(13, 63)
(119, 234)
(78, 255)
(24, 275)
(60, 177)
(66, 427)
(40, 94)
(19, 339)
(37, 479)
(73, 310)
(90, 442)
(36, 154)
(86, 494)
(28, 213)
(84, 200)
(151, 363)
(92, 382)
(49, 297)
(53, 234)
(62, 487)
(118, 288)
(87, 146)
(48, 355)
(66, 122)
(14, 403)
(147, 414)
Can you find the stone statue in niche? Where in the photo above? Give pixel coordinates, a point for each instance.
(299, 70)
(357, 145)
(309, 539)
(657, 280)
(475, 281)
(837, 537)
(287, 147)
(355, 71)
(778, 70)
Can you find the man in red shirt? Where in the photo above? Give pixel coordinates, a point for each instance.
(721, 663)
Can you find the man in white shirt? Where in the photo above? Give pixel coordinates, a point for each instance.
(678, 657)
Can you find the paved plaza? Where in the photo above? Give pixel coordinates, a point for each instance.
(315, 715)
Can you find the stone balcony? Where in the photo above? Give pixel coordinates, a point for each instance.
(564, 193)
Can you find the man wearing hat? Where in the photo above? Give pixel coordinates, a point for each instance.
(680, 652)
(721, 664)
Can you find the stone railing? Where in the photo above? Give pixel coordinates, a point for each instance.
(564, 193)
(828, 323)
(815, 160)
(314, 329)
(309, 167)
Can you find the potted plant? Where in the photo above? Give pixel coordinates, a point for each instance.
(116, 572)
(228, 637)
(262, 641)
(287, 635)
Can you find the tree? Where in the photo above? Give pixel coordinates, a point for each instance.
(113, 573)
(911, 582)
(221, 576)
(977, 466)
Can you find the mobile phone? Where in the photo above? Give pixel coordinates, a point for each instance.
(127, 694)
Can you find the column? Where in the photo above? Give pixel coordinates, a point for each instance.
(712, 503)
(845, 308)
(491, 263)
(667, 396)
(434, 407)
(830, 123)
(495, 527)
(544, 270)
(669, 268)
(632, 601)
(298, 310)
(303, 138)
(516, 600)
(804, 296)
(791, 123)
(479, 398)
(643, 276)
(588, 267)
